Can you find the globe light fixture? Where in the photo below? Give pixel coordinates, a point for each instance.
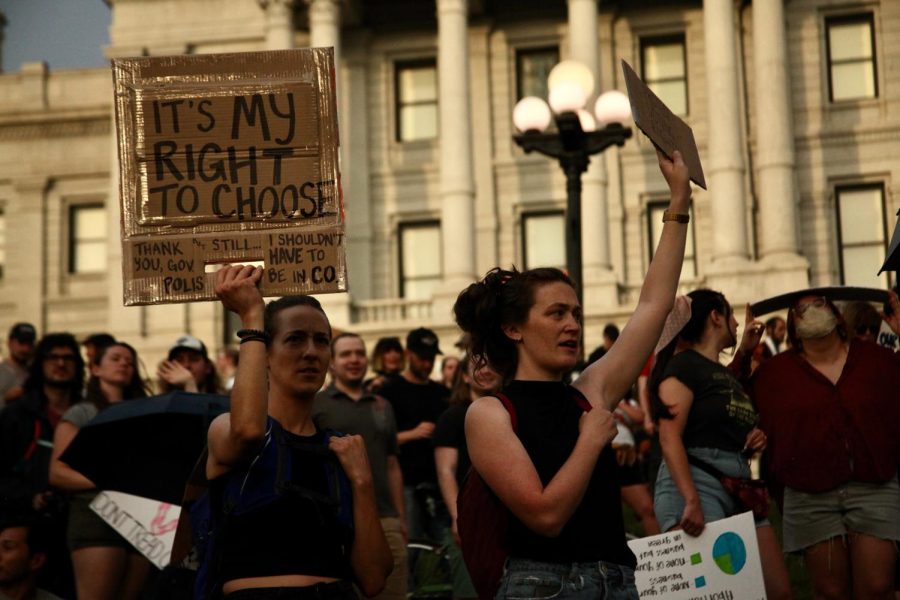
(612, 107)
(572, 72)
(531, 114)
(575, 139)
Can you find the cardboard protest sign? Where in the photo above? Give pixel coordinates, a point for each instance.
(720, 564)
(229, 158)
(664, 128)
(148, 525)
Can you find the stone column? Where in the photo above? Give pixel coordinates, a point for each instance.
(457, 188)
(26, 271)
(597, 280)
(325, 32)
(355, 172)
(785, 268)
(325, 26)
(279, 23)
(725, 160)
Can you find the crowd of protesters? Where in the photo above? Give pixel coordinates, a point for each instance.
(325, 485)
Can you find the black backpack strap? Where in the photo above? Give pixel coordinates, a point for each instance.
(705, 467)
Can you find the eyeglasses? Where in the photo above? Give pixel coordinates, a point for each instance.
(863, 329)
(69, 358)
(818, 302)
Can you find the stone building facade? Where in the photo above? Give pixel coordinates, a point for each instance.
(795, 107)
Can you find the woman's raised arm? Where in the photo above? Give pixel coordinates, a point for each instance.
(606, 381)
(237, 434)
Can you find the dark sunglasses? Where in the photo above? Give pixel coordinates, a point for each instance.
(873, 329)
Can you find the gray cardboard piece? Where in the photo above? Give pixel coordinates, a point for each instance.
(664, 128)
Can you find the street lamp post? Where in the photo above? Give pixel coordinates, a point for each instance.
(575, 140)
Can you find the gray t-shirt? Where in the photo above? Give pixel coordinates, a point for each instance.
(11, 375)
(372, 417)
(80, 414)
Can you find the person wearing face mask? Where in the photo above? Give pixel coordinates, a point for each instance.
(830, 409)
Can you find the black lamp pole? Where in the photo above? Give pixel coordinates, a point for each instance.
(573, 147)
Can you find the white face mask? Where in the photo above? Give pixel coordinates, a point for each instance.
(817, 321)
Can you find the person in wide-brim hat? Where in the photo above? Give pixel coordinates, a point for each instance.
(829, 408)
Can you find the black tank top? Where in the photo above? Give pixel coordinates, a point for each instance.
(548, 429)
(294, 535)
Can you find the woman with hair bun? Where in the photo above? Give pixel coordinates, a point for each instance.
(556, 473)
(705, 419)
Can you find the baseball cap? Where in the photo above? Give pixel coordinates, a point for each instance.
(187, 342)
(23, 332)
(423, 342)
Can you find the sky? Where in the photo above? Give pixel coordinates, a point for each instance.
(64, 33)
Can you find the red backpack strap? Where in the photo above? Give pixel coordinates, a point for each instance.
(508, 405)
(580, 399)
(34, 442)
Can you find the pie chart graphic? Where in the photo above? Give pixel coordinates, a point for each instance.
(730, 553)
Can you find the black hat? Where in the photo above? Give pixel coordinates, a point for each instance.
(423, 342)
(833, 293)
(23, 332)
(187, 342)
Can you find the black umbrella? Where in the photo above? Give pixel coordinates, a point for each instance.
(892, 262)
(146, 447)
(836, 293)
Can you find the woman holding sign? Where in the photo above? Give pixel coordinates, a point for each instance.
(106, 566)
(303, 522)
(707, 427)
(554, 470)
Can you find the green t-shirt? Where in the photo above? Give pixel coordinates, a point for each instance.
(371, 417)
(721, 414)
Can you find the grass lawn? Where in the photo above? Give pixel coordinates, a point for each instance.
(799, 579)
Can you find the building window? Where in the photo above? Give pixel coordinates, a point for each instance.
(664, 69)
(544, 239)
(87, 238)
(850, 42)
(420, 259)
(655, 211)
(861, 234)
(2, 241)
(417, 104)
(533, 66)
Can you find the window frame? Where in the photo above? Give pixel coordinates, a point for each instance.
(419, 224)
(525, 51)
(885, 239)
(72, 239)
(667, 39)
(414, 63)
(523, 229)
(653, 205)
(846, 19)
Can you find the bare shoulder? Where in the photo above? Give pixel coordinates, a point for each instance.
(487, 412)
(219, 428)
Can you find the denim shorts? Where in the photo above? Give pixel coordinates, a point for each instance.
(668, 504)
(525, 579)
(868, 508)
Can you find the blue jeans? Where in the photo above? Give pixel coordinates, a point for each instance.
(532, 580)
